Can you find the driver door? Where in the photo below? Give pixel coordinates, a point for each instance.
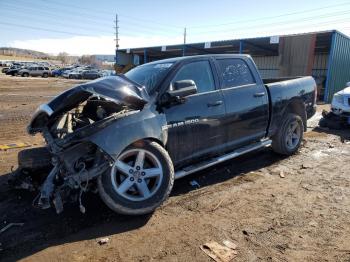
(194, 126)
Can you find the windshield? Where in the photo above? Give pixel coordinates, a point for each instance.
(149, 75)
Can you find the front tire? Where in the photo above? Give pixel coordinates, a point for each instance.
(139, 181)
(288, 138)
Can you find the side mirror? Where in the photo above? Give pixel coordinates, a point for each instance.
(178, 91)
(183, 88)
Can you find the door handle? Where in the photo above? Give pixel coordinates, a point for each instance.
(259, 94)
(216, 103)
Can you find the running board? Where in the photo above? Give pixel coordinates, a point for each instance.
(241, 151)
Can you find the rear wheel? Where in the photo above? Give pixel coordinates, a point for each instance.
(45, 75)
(25, 75)
(288, 138)
(139, 181)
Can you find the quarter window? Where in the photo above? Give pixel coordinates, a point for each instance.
(235, 72)
(200, 72)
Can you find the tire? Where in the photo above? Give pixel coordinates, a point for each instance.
(15, 74)
(132, 201)
(45, 75)
(70, 77)
(34, 159)
(283, 142)
(25, 75)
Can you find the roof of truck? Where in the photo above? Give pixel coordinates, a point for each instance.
(181, 58)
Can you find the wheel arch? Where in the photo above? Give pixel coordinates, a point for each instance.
(297, 106)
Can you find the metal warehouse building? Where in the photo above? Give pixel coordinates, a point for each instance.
(324, 55)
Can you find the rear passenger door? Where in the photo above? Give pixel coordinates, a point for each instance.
(246, 102)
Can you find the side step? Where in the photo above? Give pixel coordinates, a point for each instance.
(241, 151)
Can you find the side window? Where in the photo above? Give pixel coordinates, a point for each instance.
(40, 68)
(200, 72)
(235, 72)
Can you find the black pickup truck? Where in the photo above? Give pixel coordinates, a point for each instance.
(130, 136)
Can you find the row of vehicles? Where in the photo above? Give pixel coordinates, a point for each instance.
(74, 72)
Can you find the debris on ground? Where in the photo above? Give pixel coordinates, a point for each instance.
(13, 145)
(194, 183)
(333, 121)
(282, 174)
(229, 244)
(217, 206)
(103, 241)
(220, 253)
(345, 140)
(10, 225)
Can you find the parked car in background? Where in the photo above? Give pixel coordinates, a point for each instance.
(59, 71)
(35, 71)
(75, 74)
(108, 73)
(14, 70)
(341, 103)
(91, 74)
(4, 70)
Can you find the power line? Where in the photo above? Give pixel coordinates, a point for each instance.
(92, 22)
(42, 29)
(110, 13)
(58, 22)
(274, 23)
(272, 17)
(285, 29)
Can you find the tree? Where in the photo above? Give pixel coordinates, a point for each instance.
(63, 57)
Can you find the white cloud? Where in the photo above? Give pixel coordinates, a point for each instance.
(80, 45)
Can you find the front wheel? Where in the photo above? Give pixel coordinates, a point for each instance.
(139, 181)
(288, 138)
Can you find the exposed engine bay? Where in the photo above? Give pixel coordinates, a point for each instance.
(71, 161)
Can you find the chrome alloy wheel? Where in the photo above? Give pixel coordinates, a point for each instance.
(293, 135)
(136, 174)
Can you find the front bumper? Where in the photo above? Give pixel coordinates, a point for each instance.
(340, 109)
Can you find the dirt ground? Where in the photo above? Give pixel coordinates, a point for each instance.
(304, 216)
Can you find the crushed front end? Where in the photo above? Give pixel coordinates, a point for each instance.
(71, 160)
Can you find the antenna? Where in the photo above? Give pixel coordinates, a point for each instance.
(116, 38)
(184, 46)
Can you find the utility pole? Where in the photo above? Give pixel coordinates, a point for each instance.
(116, 38)
(184, 46)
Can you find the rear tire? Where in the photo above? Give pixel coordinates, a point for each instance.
(25, 75)
(130, 188)
(45, 75)
(288, 138)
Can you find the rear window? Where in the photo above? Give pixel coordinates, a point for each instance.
(235, 72)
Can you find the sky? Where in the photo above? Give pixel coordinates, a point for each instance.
(87, 26)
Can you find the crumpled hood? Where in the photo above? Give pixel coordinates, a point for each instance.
(118, 89)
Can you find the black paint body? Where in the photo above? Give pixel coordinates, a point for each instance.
(205, 124)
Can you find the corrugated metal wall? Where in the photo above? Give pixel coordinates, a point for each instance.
(269, 66)
(339, 65)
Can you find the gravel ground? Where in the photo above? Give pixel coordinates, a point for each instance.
(303, 216)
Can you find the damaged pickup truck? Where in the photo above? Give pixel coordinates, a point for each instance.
(129, 137)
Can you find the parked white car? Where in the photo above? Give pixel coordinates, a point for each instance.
(341, 102)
